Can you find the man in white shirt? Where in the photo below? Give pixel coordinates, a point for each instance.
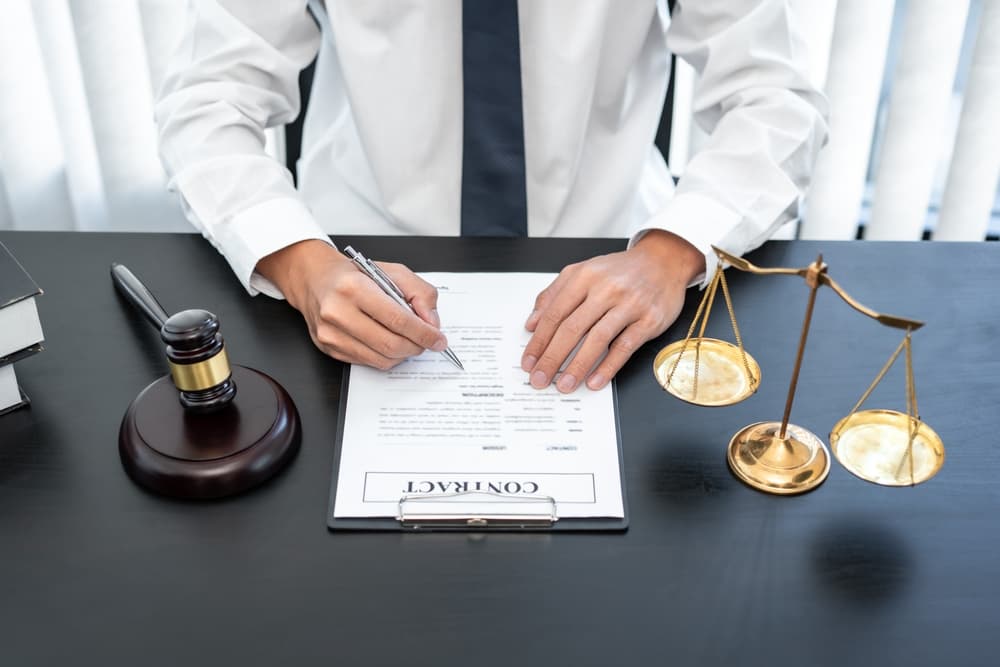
(383, 154)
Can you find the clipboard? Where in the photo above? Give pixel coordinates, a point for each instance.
(457, 512)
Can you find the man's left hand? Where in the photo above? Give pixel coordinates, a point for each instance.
(608, 305)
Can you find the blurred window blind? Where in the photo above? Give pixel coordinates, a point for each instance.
(914, 90)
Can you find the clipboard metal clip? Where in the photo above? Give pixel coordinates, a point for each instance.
(476, 510)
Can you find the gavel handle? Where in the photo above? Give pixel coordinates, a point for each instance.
(138, 295)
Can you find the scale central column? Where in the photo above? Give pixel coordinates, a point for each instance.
(778, 457)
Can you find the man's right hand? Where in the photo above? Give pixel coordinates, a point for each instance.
(349, 317)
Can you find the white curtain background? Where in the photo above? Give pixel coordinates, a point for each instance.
(77, 137)
(914, 88)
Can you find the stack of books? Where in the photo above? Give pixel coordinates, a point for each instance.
(20, 328)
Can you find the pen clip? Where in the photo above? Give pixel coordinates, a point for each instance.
(358, 260)
(384, 276)
(373, 270)
(370, 269)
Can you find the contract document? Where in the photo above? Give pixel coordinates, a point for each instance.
(429, 429)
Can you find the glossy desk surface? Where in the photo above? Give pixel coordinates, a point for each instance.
(94, 569)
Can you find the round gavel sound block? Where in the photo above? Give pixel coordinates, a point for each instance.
(186, 454)
(207, 430)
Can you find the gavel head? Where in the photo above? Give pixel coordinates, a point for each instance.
(199, 365)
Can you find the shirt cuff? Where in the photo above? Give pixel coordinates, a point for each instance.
(699, 220)
(260, 230)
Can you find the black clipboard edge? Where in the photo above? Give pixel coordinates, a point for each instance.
(389, 524)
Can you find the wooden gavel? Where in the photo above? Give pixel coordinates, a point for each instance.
(189, 434)
(197, 356)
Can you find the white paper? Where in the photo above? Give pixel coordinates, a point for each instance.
(427, 428)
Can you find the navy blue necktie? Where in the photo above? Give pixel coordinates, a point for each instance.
(494, 201)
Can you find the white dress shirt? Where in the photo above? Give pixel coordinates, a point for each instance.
(382, 144)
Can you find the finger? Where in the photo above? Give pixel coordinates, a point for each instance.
(399, 328)
(620, 350)
(548, 319)
(393, 330)
(367, 314)
(337, 343)
(567, 336)
(592, 351)
(418, 292)
(543, 299)
(358, 324)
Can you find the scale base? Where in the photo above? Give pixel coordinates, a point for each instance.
(174, 452)
(797, 463)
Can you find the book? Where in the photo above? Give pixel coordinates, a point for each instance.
(20, 326)
(11, 396)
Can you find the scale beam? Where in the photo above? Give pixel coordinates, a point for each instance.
(893, 321)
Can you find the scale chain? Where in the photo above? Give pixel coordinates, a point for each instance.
(736, 332)
(709, 292)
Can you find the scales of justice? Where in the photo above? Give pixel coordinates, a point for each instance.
(881, 446)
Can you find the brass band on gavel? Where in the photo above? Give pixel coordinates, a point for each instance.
(203, 374)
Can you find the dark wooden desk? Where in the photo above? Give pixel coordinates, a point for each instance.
(95, 570)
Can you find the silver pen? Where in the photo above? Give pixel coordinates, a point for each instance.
(382, 279)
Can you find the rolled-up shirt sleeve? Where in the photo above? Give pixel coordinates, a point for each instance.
(234, 75)
(766, 123)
